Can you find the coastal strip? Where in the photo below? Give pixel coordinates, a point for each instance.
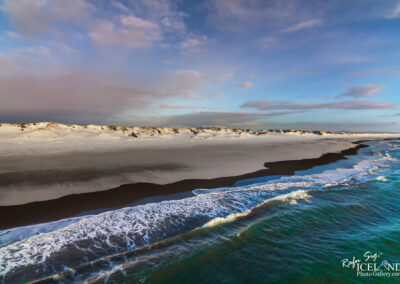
(71, 205)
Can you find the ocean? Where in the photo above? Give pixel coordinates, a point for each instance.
(337, 223)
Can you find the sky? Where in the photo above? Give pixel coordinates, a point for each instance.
(298, 64)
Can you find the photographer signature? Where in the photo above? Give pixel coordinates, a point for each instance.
(367, 257)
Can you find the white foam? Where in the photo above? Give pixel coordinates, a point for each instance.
(221, 220)
(293, 197)
(13, 235)
(326, 178)
(382, 178)
(290, 198)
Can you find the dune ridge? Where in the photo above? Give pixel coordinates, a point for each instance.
(56, 130)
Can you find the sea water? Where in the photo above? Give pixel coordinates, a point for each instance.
(299, 228)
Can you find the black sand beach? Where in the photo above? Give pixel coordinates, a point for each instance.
(71, 205)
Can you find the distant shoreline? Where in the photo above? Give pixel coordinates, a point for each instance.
(71, 205)
(137, 131)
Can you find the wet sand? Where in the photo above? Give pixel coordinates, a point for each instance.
(31, 177)
(71, 205)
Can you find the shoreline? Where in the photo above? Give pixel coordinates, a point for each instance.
(123, 195)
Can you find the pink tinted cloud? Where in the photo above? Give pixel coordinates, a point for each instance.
(74, 94)
(291, 105)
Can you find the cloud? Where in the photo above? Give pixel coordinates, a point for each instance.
(370, 72)
(290, 105)
(146, 23)
(171, 106)
(295, 15)
(5, 65)
(239, 15)
(366, 91)
(210, 118)
(138, 23)
(185, 82)
(302, 26)
(337, 126)
(40, 50)
(216, 95)
(204, 118)
(163, 12)
(12, 34)
(33, 18)
(130, 30)
(274, 40)
(336, 56)
(245, 84)
(36, 60)
(269, 42)
(395, 13)
(391, 115)
(350, 59)
(194, 43)
(60, 46)
(119, 6)
(226, 75)
(73, 97)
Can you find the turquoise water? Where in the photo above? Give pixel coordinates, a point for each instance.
(295, 229)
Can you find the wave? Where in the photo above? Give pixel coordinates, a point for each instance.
(290, 198)
(382, 178)
(84, 239)
(326, 178)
